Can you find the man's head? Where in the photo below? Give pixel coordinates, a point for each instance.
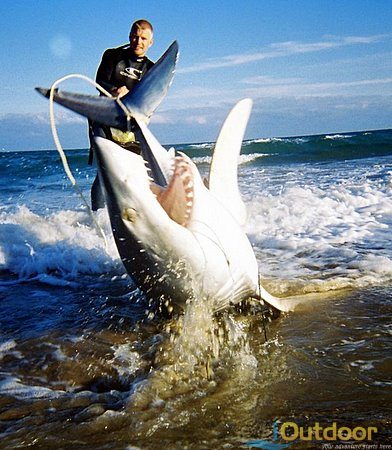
(141, 37)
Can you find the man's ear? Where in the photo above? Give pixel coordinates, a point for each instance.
(151, 42)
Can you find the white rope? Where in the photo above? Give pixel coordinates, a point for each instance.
(61, 150)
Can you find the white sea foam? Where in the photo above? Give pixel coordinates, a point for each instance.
(206, 145)
(337, 136)
(331, 226)
(363, 365)
(246, 159)
(125, 360)
(332, 235)
(55, 248)
(299, 140)
(243, 159)
(339, 215)
(7, 348)
(202, 159)
(14, 387)
(263, 141)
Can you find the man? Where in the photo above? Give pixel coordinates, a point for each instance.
(120, 70)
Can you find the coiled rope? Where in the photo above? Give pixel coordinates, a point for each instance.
(60, 149)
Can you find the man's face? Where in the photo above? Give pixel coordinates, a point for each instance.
(141, 40)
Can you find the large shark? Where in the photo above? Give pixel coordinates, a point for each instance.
(178, 236)
(182, 239)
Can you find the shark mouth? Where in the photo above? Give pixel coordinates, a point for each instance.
(177, 198)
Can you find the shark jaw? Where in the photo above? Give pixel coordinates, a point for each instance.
(177, 241)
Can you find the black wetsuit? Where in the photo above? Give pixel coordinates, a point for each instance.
(118, 67)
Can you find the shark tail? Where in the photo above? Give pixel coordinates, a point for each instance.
(140, 103)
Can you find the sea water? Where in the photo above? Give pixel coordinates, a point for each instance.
(84, 363)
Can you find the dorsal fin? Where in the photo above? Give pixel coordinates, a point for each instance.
(223, 181)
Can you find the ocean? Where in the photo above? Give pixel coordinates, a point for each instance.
(84, 363)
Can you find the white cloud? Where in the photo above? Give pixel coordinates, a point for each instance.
(63, 117)
(293, 47)
(291, 87)
(260, 88)
(365, 39)
(198, 119)
(160, 119)
(262, 80)
(31, 131)
(68, 117)
(281, 49)
(172, 116)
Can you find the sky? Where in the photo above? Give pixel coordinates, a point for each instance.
(310, 66)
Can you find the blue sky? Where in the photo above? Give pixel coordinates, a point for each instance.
(311, 66)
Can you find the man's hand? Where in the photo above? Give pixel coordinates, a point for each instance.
(119, 92)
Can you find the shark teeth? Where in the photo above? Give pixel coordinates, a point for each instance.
(177, 198)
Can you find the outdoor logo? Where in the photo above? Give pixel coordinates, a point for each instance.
(289, 433)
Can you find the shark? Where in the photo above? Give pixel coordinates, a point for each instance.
(179, 236)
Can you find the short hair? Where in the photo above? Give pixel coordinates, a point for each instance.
(141, 23)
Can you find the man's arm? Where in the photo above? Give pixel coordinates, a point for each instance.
(105, 70)
(105, 74)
